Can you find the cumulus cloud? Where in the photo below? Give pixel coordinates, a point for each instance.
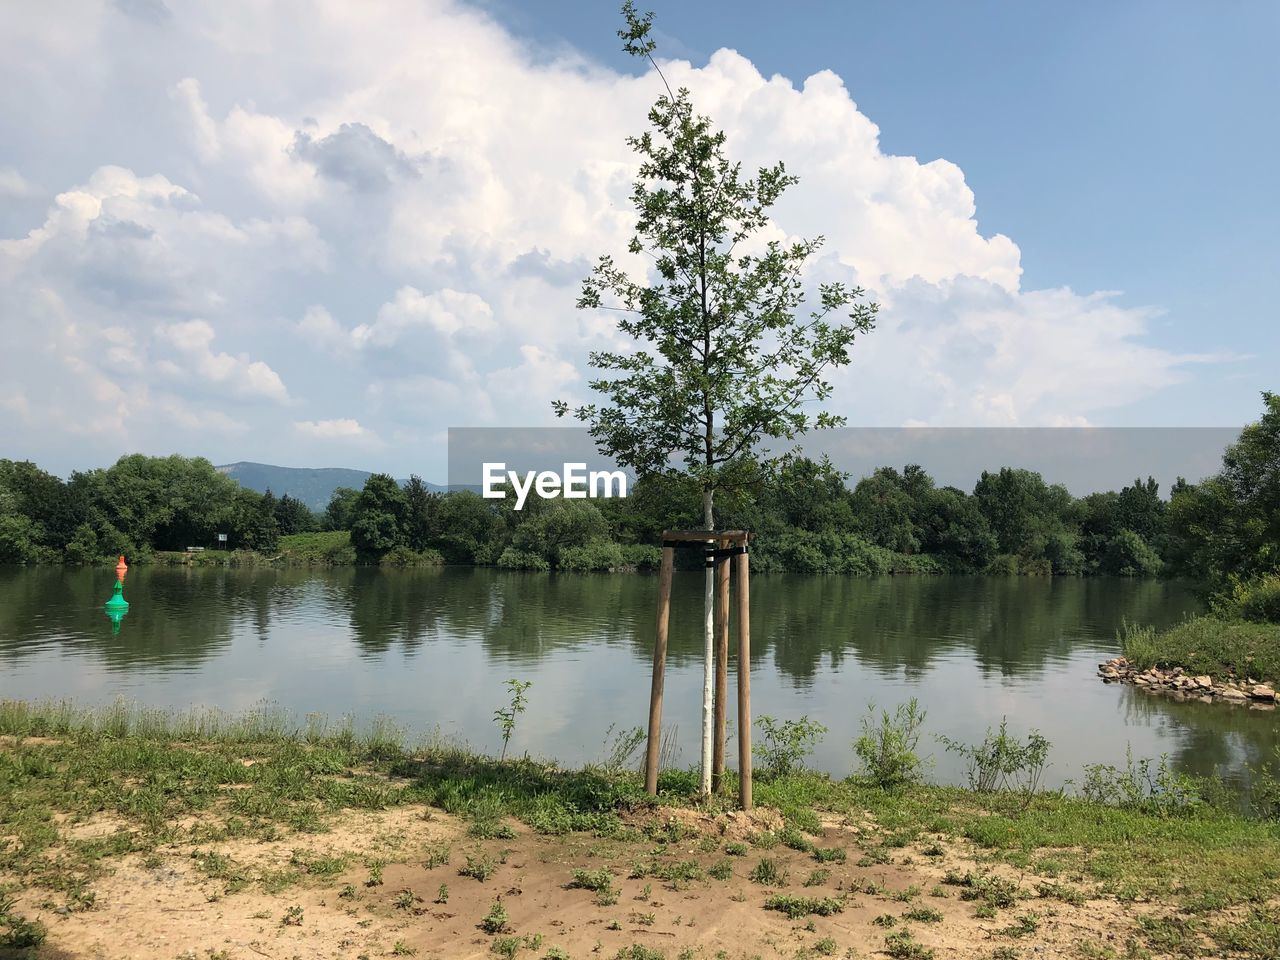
(389, 207)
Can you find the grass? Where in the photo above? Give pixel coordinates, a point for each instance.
(328, 547)
(795, 907)
(1207, 645)
(150, 771)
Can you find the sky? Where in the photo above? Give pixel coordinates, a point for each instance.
(322, 233)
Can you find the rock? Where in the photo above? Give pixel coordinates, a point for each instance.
(1204, 682)
(1231, 693)
(1108, 673)
(1260, 691)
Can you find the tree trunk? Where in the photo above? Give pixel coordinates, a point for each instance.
(709, 653)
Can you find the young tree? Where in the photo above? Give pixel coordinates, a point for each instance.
(721, 361)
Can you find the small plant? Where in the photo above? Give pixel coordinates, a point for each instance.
(830, 854)
(817, 878)
(735, 848)
(292, 917)
(496, 920)
(402, 949)
(505, 717)
(1002, 762)
(768, 873)
(923, 914)
(442, 895)
(887, 747)
(375, 875)
(783, 745)
(506, 946)
(437, 856)
(348, 891)
(722, 870)
(903, 946)
(763, 839)
(793, 838)
(796, 907)
(1022, 926)
(594, 880)
(826, 946)
(885, 920)
(404, 900)
(555, 953)
(481, 867)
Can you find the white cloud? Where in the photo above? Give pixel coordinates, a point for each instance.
(426, 194)
(340, 429)
(192, 341)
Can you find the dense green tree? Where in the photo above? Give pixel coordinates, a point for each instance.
(293, 516)
(377, 517)
(420, 517)
(337, 514)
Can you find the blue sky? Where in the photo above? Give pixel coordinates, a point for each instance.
(1125, 146)
(323, 233)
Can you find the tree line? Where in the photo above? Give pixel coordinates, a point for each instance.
(805, 515)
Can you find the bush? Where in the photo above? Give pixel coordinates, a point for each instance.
(1128, 555)
(403, 556)
(887, 748)
(1002, 762)
(1003, 565)
(595, 556)
(1146, 785)
(784, 745)
(513, 559)
(1257, 600)
(641, 556)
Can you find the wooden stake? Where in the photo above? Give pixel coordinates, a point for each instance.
(659, 672)
(722, 669)
(740, 564)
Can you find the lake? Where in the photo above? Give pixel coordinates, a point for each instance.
(432, 649)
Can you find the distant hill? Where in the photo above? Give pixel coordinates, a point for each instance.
(312, 485)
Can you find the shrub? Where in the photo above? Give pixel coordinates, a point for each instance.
(641, 556)
(784, 745)
(1257, 600)
(598, 555)
(887, 748)
(1002, 762)
(403, 556)
(796, 907)
(513, 559)
(1147, 785)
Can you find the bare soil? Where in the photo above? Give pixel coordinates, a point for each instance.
(167, 905)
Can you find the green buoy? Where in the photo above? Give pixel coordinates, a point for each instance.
(117, 606)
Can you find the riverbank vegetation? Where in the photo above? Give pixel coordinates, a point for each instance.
(351, 833)
(1228, 539)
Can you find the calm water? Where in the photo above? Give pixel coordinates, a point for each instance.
(431, 648)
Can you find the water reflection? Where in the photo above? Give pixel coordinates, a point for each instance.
(433, 647)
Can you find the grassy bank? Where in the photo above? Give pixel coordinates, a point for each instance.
(1217, 646)
(89, 795)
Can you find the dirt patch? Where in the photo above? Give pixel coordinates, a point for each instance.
(376, 886)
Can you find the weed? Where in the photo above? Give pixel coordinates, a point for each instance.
(887, 748)
(817, 878)
(903, 946)
(496, 920)
(480, 866)
(796, 907)
(768, 873)
(722, 870)
(830, 854)
(505, 717)
(735, 848)
(442, 895)
(292, 917)
(923, 914)
(783, 745)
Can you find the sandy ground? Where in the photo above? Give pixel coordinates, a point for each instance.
(167, 907)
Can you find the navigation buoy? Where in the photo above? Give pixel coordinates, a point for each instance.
(121, 568)
(117, 606)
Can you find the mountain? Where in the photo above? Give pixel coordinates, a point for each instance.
(312, 485)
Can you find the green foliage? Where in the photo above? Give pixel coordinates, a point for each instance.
(496, 920)
(796, 907)
(1003, 762)
(377, 518)
(505, 717)
(1144, 784)
(784, 744)
(720, 360)
(1207, 645)
(887, 746)
(1257, 599)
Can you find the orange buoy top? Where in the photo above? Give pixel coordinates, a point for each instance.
(121, 568)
